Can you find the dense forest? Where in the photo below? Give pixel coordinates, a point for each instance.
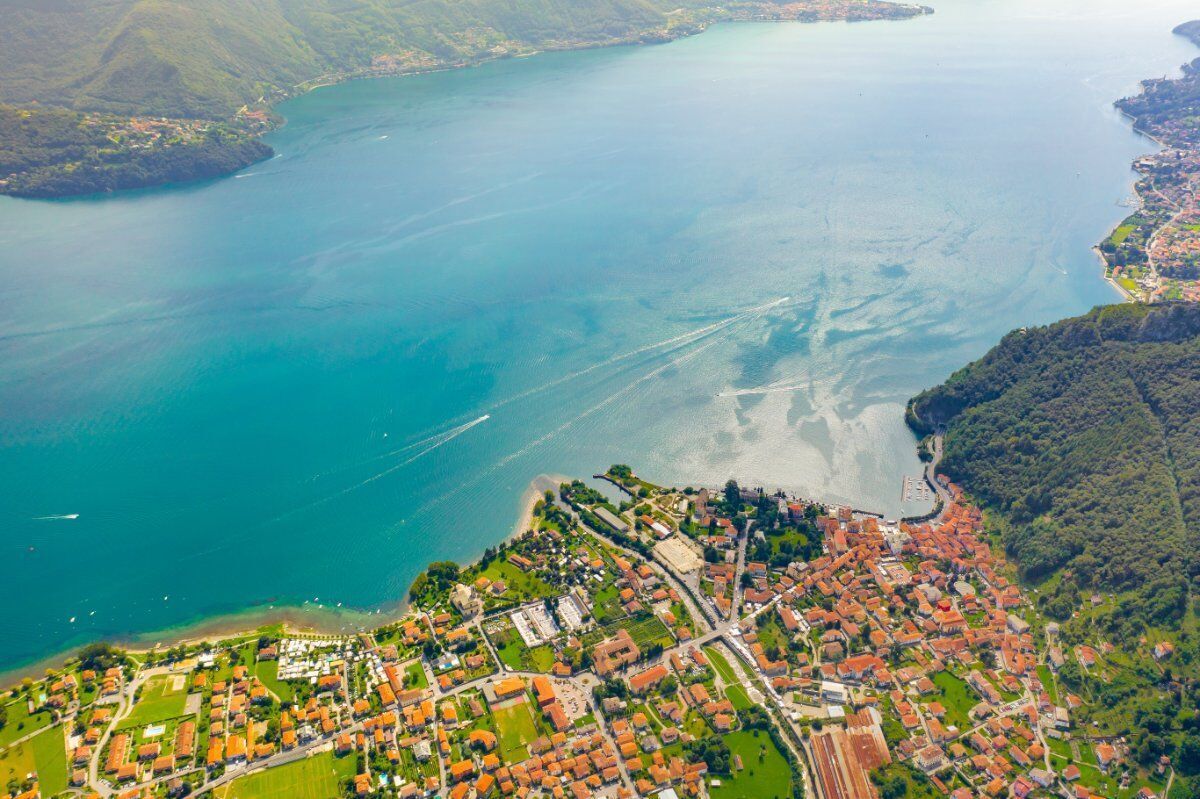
(53, 153)
(1083, 439)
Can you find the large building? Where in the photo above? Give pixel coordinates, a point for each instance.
(614, 653)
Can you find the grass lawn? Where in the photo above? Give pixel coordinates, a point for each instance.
(772, 634)
(1121, 233)
(515, 727)
(21, 723)
(1060, 747)
(765, 773)
(1047, 678)
(606, 604)
(734, 691)
(521, 585)
(956, 696)
(160, 700)
(268, 672)
(414, 675)
(1086, 753)
(518, 657)
(796, 539)
(44, 754)
(312, 778)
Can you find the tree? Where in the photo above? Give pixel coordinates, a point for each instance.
(100, 657)
(733, 496)
(712, 750)
(1188, 756)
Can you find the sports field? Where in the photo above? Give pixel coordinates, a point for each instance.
(312, 778)
(516, 728)
(162, 698)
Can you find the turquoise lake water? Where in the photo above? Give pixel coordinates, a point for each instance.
(732, 255)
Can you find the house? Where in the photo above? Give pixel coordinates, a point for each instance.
(645, 680)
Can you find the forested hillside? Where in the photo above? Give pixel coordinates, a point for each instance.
(1083, 437)
(47, 152)
(206, 58)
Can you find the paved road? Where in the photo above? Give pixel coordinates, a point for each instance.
(931, 475)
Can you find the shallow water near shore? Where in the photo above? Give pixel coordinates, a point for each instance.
(736, 254)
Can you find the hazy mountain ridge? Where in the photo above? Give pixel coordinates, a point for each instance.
(206, 58)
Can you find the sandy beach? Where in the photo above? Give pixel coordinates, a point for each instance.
(310, 619)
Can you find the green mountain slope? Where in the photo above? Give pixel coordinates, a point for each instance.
(207, 57)
(1083, 439)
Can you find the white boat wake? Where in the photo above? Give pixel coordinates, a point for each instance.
(683, 339)
(438, 440)
(58, 518)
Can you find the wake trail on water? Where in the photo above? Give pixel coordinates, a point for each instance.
(690, 337)
(729, 325)
(437, 439)
(682, 339)
(458, 431)
(442, 440)
(57, 518)
(610, 399)
(682, 359)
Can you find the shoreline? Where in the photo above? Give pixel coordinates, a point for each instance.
(1161, 144)
(304, 619)
(644, 39)
(1125, 294)
(257, 119)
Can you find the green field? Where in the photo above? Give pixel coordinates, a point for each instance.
(733, 688)
(268, 673)
(514, 654)
(956, 696)
(44, 754)
(521, 585)
(159, 702)
(414, 675)
(772, 634)
(515, 727)
(313, 778)
(1121, 233)
(1060, 747)
(20, 723)
(1047, 678)
(765, 773)
(646, 630)
(606, 605)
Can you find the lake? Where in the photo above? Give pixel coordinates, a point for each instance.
(734, 255)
